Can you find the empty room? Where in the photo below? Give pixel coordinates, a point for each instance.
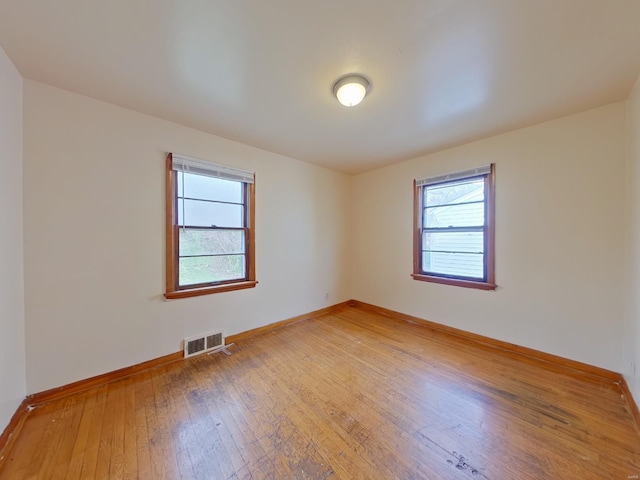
(320, 240)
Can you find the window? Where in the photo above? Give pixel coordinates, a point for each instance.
(454, 229)
(210, 228)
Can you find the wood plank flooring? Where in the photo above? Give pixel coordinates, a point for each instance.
(351, 395)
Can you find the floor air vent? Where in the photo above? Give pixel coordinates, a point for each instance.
(203, 343)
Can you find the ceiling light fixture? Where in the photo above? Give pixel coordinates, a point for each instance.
(351, 89)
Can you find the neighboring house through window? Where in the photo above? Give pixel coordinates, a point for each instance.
(210, 228)
(454, 229)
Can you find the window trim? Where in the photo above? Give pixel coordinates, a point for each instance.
(173, 290)
(489, 238)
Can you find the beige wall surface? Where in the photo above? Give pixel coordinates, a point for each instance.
(631, 335)
(94, 238)
(12, 342)
(559, 238)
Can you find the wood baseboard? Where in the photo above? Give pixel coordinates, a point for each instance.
(10, 433)
(238, 337)
(631, 402)
(75, 387)
(509, 348)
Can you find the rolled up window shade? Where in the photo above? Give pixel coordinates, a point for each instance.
(182, 163)
(474, 172)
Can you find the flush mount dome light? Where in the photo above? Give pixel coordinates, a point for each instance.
(351, 89)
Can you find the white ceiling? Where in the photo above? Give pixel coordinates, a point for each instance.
(444, 72)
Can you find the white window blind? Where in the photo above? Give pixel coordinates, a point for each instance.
(182, 163)
(474, 172)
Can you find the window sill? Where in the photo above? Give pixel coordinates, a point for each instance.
(196, 292)
(454, 281)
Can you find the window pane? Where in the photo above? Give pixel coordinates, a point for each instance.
(210, 188)
(464, 242)
(454, 192)
(210, 242)
(467, 215)
(469, 265)
(205, 214)
(194, 270)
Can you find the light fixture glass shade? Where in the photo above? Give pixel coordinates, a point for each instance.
(351, 90)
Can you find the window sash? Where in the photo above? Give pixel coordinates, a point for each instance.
(434, 272)
(178, 226)
(462, 229)
(232, 279)
(483, 278)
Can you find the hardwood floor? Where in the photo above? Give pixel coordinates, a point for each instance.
(351, 395)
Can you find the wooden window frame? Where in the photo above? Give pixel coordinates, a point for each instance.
(173, 290)
(489, 239)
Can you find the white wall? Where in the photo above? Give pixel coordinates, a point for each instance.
(12, 343)
(94, 238)
(632, 310)
(559, 238)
